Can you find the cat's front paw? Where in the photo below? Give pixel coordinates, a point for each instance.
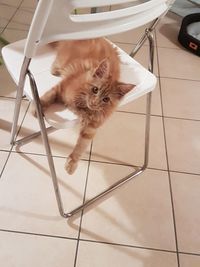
(71, 165)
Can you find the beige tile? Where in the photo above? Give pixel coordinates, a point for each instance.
(22, 19)
(29, 5)
(27, 198)
(181, 98)
(98, 255)
(186, 195)
(178, 63)
(6, 118)
(121, 139)
(3, 158)
(30, 250)
(12, 34)
(61, 141)
(6, 13)
(167, 31)
(139, 214)
(129, 37)
(139, 105)
(7, 85)
(189, 260)
(183, 145)
(11, 3)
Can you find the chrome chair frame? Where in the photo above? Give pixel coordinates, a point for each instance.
(43, 131)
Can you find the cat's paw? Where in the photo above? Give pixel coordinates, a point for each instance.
(71, 165)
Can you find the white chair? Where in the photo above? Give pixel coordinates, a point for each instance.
(55, 20)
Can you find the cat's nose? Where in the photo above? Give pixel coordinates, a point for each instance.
(94, 105)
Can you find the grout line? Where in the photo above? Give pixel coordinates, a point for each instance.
(37, 234)
(128, 246)
(182, 79)
(96, 242)
(12, 145)
(103, 162)
(84, 197)
(177, 78)
(157, 115)
(17, 8)
(167, 160)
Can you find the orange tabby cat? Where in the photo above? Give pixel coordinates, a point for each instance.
(89, 87)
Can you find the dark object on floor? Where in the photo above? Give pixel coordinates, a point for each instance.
(189, 34)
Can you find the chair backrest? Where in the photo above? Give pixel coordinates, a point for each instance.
(55, 19)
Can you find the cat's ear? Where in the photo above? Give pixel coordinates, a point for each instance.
(123, 88)
(103, 69)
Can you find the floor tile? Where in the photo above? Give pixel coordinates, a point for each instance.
(139, 105)
(27, 250)
(11, 3)
(22, 19)
(183, 146)
(12, 34)
(186, 195)
(189, 261)
(62, 141)
(6, 118)
(3, 158)
(167, 31)
(29, 5)
(97, 255)
(185, 93)
(121, 140)
(7, 85)
(139, 214)
(189, 69)
(27, 198)
(6, 13)
(129, 37)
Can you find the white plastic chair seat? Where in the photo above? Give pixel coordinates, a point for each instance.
(57, 115)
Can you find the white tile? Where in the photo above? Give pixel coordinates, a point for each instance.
(27, 198)
(7, 85)
(121, 140)
(189, 260)
(98, 255)
(138, 214)
(178, 63)
(6, 119)
(181, 98)
(3, 158)
(186, 195)
(183, 145)
(30, 250)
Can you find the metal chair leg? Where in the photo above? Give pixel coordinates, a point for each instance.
(46, 143)
(19, 99)
(119, 183)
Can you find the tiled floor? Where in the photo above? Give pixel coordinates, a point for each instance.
(154, 221)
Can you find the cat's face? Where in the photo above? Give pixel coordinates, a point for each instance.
(103, 95)
(100, 92)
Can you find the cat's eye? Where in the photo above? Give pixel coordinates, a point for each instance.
(95, 90)
(106, 99)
